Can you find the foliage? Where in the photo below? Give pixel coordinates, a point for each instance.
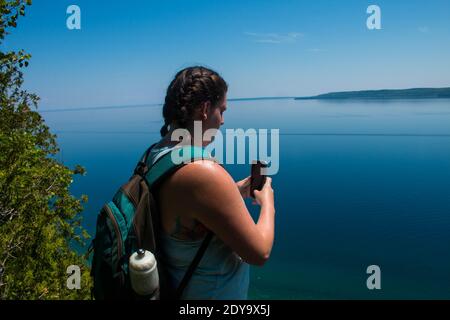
(39, 218)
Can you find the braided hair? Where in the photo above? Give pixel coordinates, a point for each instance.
(190, 88)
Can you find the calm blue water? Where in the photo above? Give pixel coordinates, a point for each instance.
(360, 183)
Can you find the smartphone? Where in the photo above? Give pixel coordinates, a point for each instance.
(257, 179)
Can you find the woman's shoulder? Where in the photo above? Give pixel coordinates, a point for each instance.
(201, 173)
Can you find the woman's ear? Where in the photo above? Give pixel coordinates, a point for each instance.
(205, 110)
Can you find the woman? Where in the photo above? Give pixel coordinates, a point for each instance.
(202, 196)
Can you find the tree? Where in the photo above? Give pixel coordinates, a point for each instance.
(39, 218)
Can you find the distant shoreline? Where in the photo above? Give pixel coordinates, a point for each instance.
(385, 94)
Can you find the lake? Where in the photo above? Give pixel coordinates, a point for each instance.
(360, 183)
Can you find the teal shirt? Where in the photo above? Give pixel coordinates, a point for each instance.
(221, 274)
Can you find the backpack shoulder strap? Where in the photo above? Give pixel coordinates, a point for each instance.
(142, 168)
(165, 165)
(193, 265)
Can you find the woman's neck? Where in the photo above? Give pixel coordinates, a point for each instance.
(167, 141)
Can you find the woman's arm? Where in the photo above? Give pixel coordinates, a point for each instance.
(214, 200)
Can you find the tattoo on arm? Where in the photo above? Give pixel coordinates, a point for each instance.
(185, 233)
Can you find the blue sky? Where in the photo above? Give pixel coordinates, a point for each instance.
(127, 52)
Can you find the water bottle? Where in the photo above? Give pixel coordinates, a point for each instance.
(144, 274)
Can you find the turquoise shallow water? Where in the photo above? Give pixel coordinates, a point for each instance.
(359, 183)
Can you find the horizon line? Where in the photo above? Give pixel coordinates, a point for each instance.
(231, 100)
(151, 105)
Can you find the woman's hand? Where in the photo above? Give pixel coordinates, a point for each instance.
(265, 196)
(244, 187)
